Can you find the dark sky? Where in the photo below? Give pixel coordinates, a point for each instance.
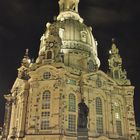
(22, 23)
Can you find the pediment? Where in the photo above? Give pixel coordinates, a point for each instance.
(99, 77)
(45, 72)
(106, 78)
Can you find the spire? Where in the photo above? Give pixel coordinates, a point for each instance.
(114, 50)
(115, 61)
(27, 53)
(25, 63)
(26, 60)
(68, 5)
(115, 65)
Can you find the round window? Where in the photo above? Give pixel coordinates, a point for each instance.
(47, 75)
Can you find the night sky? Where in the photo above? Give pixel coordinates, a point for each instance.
(22, 23)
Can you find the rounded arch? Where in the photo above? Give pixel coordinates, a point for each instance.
(72, 112)
(99, 106)
(72, 102)
(117, 107)
(46, 97)
(45, 110)
(49, 54)
(99, 114)
(46, 94)
(101, 94)
(118, 119)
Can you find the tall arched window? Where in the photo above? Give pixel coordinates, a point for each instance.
(72, 113)
(45, 114)
(99, 106)
(49, 55)
(99, 115)
(118, 118)
(72, 103)
(72, 122)
(46, 100)
(45, 117)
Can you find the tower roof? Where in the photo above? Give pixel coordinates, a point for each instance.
(68, 5)
(69, 9)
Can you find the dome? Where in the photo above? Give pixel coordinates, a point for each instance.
(75, 36)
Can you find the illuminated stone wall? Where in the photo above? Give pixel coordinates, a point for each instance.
(45, 96)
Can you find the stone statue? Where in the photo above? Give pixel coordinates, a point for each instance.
(82, 114)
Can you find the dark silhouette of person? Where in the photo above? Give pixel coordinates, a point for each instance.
(82, 114)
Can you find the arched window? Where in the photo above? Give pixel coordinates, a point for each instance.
(49, 54)
(99, 115)
(72, 103)
(45, 114)
(99, 106)
(84, 36)
(72, 113)
(46, 100)
(118, 118)
(72, 122)
(45, 120)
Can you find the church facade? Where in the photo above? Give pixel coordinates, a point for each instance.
(63, 95)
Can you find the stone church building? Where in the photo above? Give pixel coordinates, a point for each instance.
(63, 95)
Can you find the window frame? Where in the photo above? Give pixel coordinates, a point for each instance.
(118, 118)
(99, 115)
(72, 102)
(45, 112)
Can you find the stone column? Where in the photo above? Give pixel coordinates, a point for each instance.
(7, 117)
(108, 116)
(130, 117)
(23, 105)
(12, 121)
